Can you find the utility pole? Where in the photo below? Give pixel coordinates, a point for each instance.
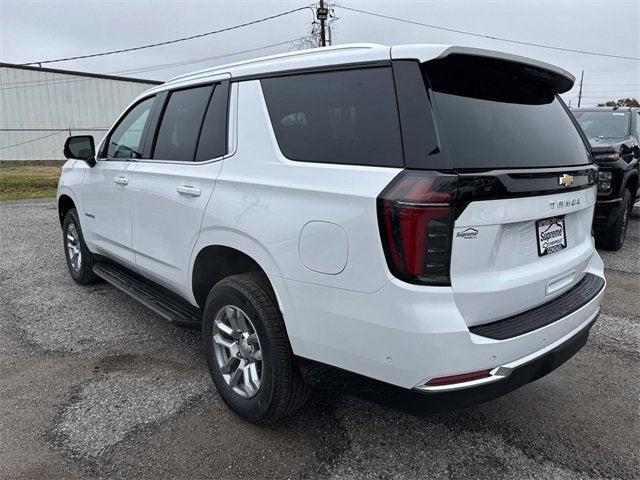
(580, 91)
(322, 13)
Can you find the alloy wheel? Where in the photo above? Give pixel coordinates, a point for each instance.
(73, 248)
(238, 352)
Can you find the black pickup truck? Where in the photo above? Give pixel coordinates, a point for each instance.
(614, 135)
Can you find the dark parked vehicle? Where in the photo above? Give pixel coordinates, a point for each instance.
(614, 135)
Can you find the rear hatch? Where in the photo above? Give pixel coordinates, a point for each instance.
(498, 196)
(525, 196)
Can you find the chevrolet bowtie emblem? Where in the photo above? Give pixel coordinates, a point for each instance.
(565, 180)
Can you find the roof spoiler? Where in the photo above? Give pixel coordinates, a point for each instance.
(560, 79)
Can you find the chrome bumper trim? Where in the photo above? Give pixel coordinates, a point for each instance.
(503, 371)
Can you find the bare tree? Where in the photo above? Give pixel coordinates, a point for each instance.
(623, 102)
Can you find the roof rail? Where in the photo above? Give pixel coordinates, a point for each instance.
(297, 53)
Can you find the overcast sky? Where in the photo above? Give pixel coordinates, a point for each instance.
(40, 30)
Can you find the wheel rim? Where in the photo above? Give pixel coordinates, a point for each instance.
(73, 248)
(238, 352)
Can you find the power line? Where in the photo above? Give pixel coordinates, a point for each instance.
(206, 59)
(148, 68)
(491, 37)
(168, 42)
(33, 140)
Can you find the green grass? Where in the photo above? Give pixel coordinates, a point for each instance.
(19, 182)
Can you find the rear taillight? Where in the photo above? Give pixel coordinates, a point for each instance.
(415, 215)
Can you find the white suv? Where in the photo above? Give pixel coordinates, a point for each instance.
(417, 217)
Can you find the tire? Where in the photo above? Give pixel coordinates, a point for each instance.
(82, 271)
(281, 389)
(613, 239)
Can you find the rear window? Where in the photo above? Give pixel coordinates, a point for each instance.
(345, 117)
(604, 124)
(498, 114)
(180, 124)
(213, 136)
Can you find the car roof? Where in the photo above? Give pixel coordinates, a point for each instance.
(354, 53)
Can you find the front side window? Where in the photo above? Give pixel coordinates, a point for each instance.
(180, 125)
(126, 139)
(345, 117)
(604, 124)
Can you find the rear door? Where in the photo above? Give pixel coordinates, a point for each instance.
(526, 192)
(171, 190)
(106, 190)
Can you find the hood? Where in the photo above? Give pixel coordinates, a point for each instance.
(612, 145)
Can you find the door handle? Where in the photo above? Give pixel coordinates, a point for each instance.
(121, 180)
(191, 191)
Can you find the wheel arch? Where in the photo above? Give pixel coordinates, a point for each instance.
(631, 183)
(65, 203)
(229, 253)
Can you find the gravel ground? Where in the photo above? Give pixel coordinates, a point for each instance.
(95, 386)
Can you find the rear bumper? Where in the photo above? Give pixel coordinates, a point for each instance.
(540, 363)
(406, 335)
(420, 402)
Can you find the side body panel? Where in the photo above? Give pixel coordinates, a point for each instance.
(71, 183)
(107, 209)
(263, 201)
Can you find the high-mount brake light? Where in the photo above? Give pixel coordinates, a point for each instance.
(415, 216)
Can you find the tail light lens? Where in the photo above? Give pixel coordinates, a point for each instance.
(415, 216)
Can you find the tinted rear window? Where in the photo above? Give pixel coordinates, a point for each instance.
(498, 114)
(213, 137)
(346, 117)
(180, 124)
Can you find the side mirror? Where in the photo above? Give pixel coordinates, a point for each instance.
(81, 147)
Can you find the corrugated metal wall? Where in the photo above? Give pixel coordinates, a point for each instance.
(39, 109)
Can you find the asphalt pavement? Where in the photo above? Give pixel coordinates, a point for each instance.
(93, 385)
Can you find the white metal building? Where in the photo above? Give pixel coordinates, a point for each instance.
(40, 107)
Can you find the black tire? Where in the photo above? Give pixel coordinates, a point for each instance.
(84, 274)
(613, 239)
(282, 389)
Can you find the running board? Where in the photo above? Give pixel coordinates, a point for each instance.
(151, 296)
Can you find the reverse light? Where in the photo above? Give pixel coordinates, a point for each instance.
(415, 216)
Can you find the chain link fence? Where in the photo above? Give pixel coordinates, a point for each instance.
(41, 143)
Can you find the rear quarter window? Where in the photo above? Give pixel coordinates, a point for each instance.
(341, 117)
(180, 125)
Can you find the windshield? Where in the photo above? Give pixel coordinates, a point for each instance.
(498, 114)
(607, 124)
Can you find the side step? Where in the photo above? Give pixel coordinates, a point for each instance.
(150, 295)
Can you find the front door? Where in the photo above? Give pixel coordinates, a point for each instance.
(106, 193)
